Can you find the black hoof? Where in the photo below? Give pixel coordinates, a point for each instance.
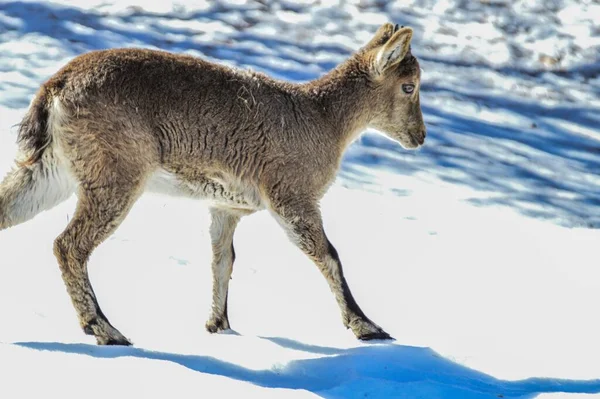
(214, 326)
(113, 341)
(379, 335)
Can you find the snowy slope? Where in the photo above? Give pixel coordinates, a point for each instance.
(485, 240)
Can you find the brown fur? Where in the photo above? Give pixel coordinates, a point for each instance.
(113, 123)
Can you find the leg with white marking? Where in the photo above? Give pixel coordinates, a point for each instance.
(222, 227)
(302, 221)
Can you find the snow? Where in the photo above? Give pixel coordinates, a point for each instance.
(478, 253)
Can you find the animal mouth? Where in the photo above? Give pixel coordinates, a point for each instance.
(416, 142)
(417, 139)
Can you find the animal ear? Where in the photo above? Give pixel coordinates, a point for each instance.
(382, 35)
(394, 50)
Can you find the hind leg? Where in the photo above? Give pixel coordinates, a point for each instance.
(101, 208)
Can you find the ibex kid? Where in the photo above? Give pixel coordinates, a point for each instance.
(113, 124)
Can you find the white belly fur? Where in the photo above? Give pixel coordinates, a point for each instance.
(217, 192)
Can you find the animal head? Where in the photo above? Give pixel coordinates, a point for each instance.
(395, 76)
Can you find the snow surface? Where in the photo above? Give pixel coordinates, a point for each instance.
(478, 253)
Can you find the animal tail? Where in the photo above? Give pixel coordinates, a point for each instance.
(39, 181)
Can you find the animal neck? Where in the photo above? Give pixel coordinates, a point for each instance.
(343, 96)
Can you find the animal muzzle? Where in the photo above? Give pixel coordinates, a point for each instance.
(421, 136)
(418, 137)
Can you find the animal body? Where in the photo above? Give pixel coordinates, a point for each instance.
(112, 124)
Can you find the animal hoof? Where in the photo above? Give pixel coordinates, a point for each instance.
(375, 335)
(366, 330)
(113, 341)
(105, 333)
(215, 325)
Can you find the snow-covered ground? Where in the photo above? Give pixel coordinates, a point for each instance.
(485, 241)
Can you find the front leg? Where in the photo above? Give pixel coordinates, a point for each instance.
(302, 221)
(223, 224)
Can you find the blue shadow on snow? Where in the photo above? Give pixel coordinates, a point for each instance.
(347, 373)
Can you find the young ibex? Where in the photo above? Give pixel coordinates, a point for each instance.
(114, 123)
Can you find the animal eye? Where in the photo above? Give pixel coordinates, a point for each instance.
(408, 88)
